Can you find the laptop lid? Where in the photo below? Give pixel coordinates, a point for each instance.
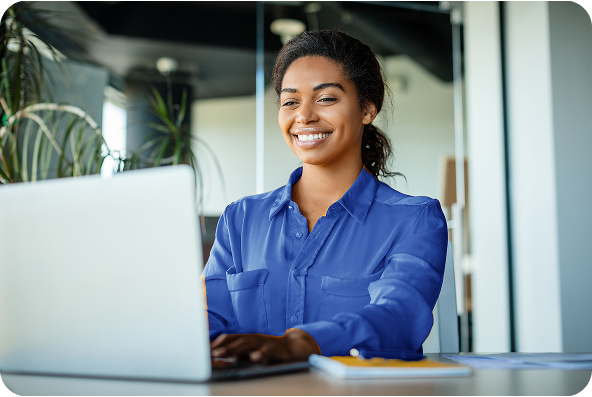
(101, 277)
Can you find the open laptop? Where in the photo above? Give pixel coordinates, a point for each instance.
(101, 278)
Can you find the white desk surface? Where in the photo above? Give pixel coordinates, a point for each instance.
(539, 382)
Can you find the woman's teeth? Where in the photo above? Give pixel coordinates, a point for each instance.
(312, 137)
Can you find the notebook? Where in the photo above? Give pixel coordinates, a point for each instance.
(348, 367)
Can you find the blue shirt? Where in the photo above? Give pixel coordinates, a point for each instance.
(368, 275)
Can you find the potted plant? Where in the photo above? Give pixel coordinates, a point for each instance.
(39, 139)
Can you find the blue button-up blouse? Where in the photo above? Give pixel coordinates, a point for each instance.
(367, 276)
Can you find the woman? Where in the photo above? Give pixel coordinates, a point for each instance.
(334, 259)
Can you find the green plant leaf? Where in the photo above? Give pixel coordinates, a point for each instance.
(63, 163)
(16, 172)
(160, 153)
(170, 107)
(158, 127)
(181, 114)
(36, 150)
(178, 151)
(158, 102)
(25, 152)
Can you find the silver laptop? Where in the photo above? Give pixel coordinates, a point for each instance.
(101, 278)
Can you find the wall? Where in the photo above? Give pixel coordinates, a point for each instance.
(228, 127)
(550, 98)
(487, 192)
(571, 65)
(420, 125)
(532, 184)
(84, 88)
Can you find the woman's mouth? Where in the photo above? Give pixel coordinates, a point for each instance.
(312, 137)
(311, 140)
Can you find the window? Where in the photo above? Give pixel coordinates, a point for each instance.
(114, 130)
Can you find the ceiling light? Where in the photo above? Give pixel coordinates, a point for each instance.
(166, 65)
(312, 7)
(287, 28)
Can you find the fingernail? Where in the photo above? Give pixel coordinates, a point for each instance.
(217, 352)
(256, 356)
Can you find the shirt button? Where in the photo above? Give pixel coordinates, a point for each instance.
(296, 272)
(298, 234)
(293, 318)
(290, 207)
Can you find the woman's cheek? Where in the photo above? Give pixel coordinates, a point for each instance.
(283, 121)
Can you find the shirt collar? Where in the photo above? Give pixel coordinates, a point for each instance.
(359, 197)
(285, 193)
(356, 201)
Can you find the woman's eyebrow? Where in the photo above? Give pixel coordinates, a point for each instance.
(316, 88)
(325, 85)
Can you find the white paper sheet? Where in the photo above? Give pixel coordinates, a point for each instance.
(525, 360)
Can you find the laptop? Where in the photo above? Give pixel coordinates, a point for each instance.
(101, 278)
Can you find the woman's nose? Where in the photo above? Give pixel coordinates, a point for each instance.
(306, 114)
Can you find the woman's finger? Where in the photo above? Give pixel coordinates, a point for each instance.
(222, 340)
(271, 351)
(240, 346)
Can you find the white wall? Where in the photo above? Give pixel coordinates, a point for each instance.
(550, 128)
(228, 127)
(487, 192)
(571, 67)
(420, 127)
(532, 185)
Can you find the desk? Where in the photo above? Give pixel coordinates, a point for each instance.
(313, 382)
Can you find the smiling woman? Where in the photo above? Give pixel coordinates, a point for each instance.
(335, 259)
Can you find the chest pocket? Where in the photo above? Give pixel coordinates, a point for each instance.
(247, 294)
(344, 295)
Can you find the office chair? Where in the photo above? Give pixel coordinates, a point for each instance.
(444, 335)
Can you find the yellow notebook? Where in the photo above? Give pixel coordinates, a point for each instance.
(354, 367)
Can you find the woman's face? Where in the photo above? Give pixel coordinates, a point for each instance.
(320, 115)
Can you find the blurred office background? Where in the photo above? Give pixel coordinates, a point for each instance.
(491, 105)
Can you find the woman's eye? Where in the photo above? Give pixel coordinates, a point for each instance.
(288, 103)
(327, 99)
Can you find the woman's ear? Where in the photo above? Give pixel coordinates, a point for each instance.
(369, 113)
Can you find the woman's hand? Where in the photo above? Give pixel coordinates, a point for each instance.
(294, 345)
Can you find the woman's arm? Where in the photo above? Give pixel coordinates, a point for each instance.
(221, 316)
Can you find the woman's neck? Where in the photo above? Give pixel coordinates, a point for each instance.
(320, 186)
(328, 182)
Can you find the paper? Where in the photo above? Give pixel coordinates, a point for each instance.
(525, 360)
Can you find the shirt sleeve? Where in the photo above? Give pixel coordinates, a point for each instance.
(399, 315)
(221, 316)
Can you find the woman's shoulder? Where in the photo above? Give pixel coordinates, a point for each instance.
(262, 201)
(420, 211)
(389, 196)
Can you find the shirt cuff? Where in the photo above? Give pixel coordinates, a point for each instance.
(331, 337)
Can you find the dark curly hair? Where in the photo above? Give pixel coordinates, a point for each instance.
(360, 66)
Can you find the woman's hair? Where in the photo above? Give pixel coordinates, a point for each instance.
(360, 66)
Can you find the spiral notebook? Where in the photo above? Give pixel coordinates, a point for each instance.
(347, 367)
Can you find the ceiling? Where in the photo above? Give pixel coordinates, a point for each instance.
(214, 42)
